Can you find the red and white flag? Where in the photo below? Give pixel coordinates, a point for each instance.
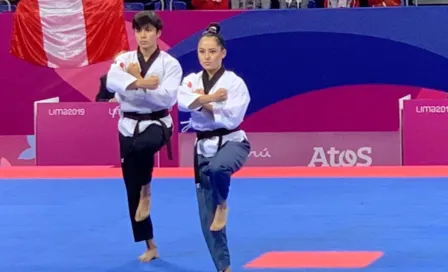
(68, 33)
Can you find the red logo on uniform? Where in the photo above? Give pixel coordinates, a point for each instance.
(122, 66)
(189, 84)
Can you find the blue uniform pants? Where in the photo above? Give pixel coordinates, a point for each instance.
(213, 188)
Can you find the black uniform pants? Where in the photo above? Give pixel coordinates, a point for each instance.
(137, 164)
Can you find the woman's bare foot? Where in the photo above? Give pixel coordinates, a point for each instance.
(144, 205)
(220, 218)
(151, 252)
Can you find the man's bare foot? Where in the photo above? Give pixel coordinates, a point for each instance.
(144, 205)
(220, 219)
(228, 269)
(151, 252)
(149, 255)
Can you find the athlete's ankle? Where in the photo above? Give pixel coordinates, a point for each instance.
(145, 191)
(150, 244)
(223, 205)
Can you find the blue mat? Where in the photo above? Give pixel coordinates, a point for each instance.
(82, 225)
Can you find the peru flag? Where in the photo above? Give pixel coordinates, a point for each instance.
(68, 33)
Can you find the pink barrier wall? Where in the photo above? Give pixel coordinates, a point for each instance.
(86, 134)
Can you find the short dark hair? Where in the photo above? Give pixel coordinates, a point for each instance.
(147, 17)
(213, 30)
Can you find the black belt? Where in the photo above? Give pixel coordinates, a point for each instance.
(154, 116)
(200, 135)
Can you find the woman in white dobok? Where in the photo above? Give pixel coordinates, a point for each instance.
(217, 100)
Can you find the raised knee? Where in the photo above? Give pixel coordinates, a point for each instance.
(218, 170)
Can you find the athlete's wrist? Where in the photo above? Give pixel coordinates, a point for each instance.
(146, 84)
(205, 99)
(140, 83)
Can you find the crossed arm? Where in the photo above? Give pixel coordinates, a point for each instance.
(123, 78)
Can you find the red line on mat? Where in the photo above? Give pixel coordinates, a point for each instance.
(323, 259)
(260, 172)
